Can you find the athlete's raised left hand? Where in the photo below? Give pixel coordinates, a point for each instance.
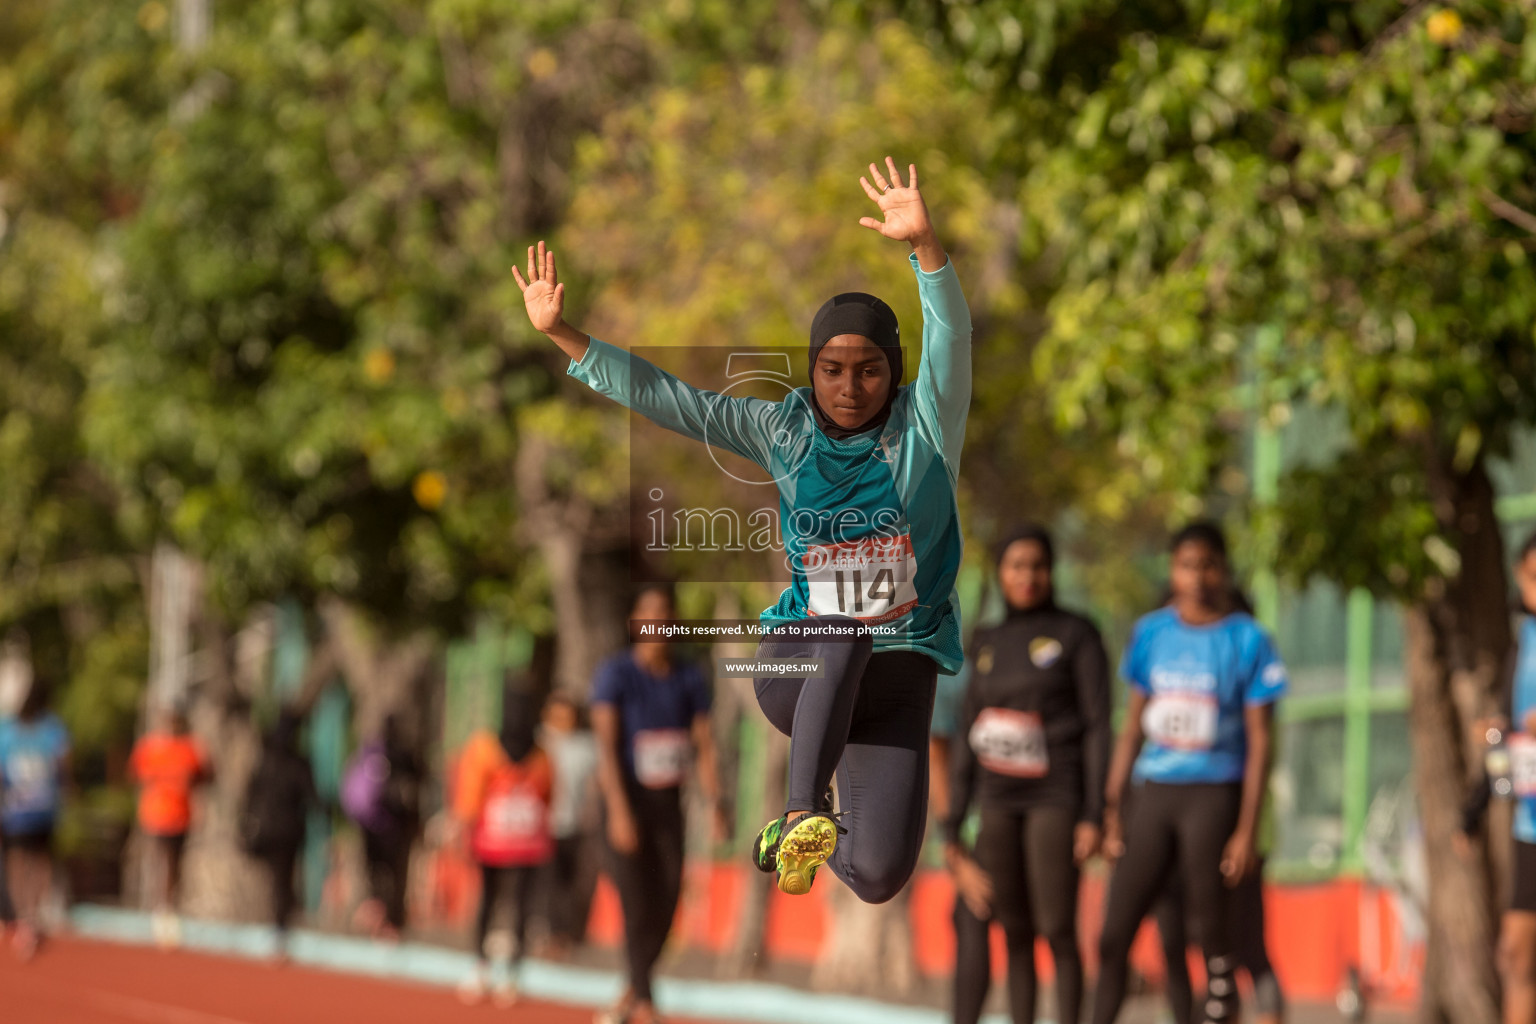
(543, 294)
(905, 213)
(544, 297)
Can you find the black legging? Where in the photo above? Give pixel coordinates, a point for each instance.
(1028, 855)
(973, 963)
(565, 897)
(1246, 913)
(389, 859)
(867, 718)
(280, 861)
(7, 908)
(649, 880)
(496, 885)
(1172, 829)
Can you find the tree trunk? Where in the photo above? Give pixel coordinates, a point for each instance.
(174, 593)
(869, 950)
(198, 660)
(219, 880)
(749, 955)
(585, 554)
(383, 676)
(1457, 638)
(591, 593)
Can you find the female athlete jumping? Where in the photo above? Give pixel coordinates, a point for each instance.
(866, 471)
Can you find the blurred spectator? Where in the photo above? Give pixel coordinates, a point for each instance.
(166, 763)
(572, 751)
(277, 803)
(34, 763)
(650, 715)
(381, 791)
(503, 794)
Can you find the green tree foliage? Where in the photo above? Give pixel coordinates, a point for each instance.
(305, 379)
(1356, 177)
(68, 572)
(1331, 171)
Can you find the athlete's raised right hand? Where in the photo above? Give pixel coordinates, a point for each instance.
(543, 294)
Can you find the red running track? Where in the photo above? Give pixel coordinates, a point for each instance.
(76, 981)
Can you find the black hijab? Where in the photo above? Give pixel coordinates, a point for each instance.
(868, 317)
(519, 720)
(1040, 535)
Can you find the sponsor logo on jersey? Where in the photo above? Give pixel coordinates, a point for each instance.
(1189, 681)
(1044, 651)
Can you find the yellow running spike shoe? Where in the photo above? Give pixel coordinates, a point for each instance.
(805, 846)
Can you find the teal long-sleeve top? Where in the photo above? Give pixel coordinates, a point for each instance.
(870, 524)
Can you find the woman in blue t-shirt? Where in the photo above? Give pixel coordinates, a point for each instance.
(34, 763)
(650, 713)
(1203, 680)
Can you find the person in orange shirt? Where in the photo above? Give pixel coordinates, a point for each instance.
(502, 797)
(166, 763)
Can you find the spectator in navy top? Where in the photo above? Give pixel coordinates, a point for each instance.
(650, 712)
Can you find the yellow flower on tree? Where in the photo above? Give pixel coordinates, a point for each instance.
(1444, 27)
(429, 489)
(153, 16)
(542, 63)
(379, 365)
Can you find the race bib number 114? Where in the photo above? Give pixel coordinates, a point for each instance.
(871, 579)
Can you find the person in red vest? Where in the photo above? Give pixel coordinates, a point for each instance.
(502, 797)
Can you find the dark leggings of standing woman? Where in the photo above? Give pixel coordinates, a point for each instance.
(1028, 856)
(496, 885)
(389, 859)
(1246, 912)
(280, 862)
(973, 964)
(7, 909)
(565, 902)
(1172, 830)
(649, 881)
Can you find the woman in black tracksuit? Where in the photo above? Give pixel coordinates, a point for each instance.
(1036, 721)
